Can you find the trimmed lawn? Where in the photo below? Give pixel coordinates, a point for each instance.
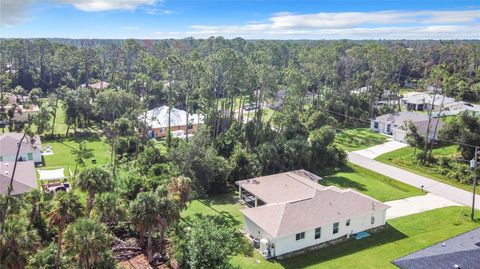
(402, 236)
(403, 158)
(62, 156)
(370, 183)
(358, 138)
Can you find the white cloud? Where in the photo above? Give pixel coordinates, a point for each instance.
(463, 24)
(13, 11)
(104, 5)
(130, 27)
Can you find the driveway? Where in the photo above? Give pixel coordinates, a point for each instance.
(440, 189)
(376, 151)
(416, 204)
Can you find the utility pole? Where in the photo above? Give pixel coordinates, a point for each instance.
(10, 186)
(474, 166)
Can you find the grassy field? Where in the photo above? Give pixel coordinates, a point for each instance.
(62, 156)
(358, 138)
(370, 183)
(402, 236)
(403, 158)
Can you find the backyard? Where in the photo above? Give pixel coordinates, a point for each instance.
(358, 138)
(403, 158)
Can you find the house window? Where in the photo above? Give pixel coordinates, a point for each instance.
(347, 223)
(300, 236)
(388, 128)
(30, 156)
(1, 158)
(190, 126)
(318, 232)
(375, 125)
(162, 130)
(335, 228)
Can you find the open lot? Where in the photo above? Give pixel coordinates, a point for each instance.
(403, 158)
(358, 138)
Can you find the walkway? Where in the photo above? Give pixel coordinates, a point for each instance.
(440, 189)
(416, 204)
(376, 151)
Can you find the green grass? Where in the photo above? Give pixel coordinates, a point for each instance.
(62, 156)
(402, 236)
(370, 183)
(358, 138)
(403, 158)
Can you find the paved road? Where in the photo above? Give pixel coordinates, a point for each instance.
(443, 190)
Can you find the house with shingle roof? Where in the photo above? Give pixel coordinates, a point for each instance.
(395, 124)
(461, 251)
(25, 179)
(290, 211)
(30, 148)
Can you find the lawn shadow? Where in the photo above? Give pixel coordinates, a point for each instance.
(225, 216)
(316, 257)
(343, 182)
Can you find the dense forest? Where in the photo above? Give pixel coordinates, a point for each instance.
(147, 183)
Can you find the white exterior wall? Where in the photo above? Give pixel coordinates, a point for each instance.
(289, 243)
(382, 126)
(37, 157)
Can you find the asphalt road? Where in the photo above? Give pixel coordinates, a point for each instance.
(440, 189)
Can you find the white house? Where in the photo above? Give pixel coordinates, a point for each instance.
(395, 124)
(425, 101)
(157, 121)
(291, 211)
(30, 149)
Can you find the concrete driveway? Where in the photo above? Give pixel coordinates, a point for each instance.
(376, 151)
(416, 204)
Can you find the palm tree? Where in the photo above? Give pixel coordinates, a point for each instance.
(108, 208)
(180, 187)
(87, 242)
(17, 243)
(80, 155)
(66, 208)
(94, 180)
(145, 216)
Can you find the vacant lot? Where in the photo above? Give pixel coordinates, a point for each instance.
(403, 158)
(358, 138)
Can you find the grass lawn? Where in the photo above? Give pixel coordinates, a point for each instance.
(62, 156)
(403, 158)
(370, 183)
(358, 138)
(402, 236)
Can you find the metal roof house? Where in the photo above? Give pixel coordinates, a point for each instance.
(290, 212)
(157, 121)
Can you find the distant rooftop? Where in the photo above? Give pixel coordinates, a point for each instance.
(25, 178)
(462, 251)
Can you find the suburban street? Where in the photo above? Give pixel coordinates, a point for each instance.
(440, 189)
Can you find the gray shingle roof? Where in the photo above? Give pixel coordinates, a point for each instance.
(25, 178)
(8, 143)
(460, 250)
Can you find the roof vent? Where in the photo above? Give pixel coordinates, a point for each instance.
(6, 172)
(6, 164)
(456, 266)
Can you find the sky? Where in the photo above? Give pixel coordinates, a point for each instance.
(260, 19)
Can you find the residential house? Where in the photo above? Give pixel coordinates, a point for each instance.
(24, 180)
(30, 148)
(462, 251)
(291, 212)
(277, 100)
(425, 101)
(395, 124)
(157, 122)
(97, 85)
(22, 110)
